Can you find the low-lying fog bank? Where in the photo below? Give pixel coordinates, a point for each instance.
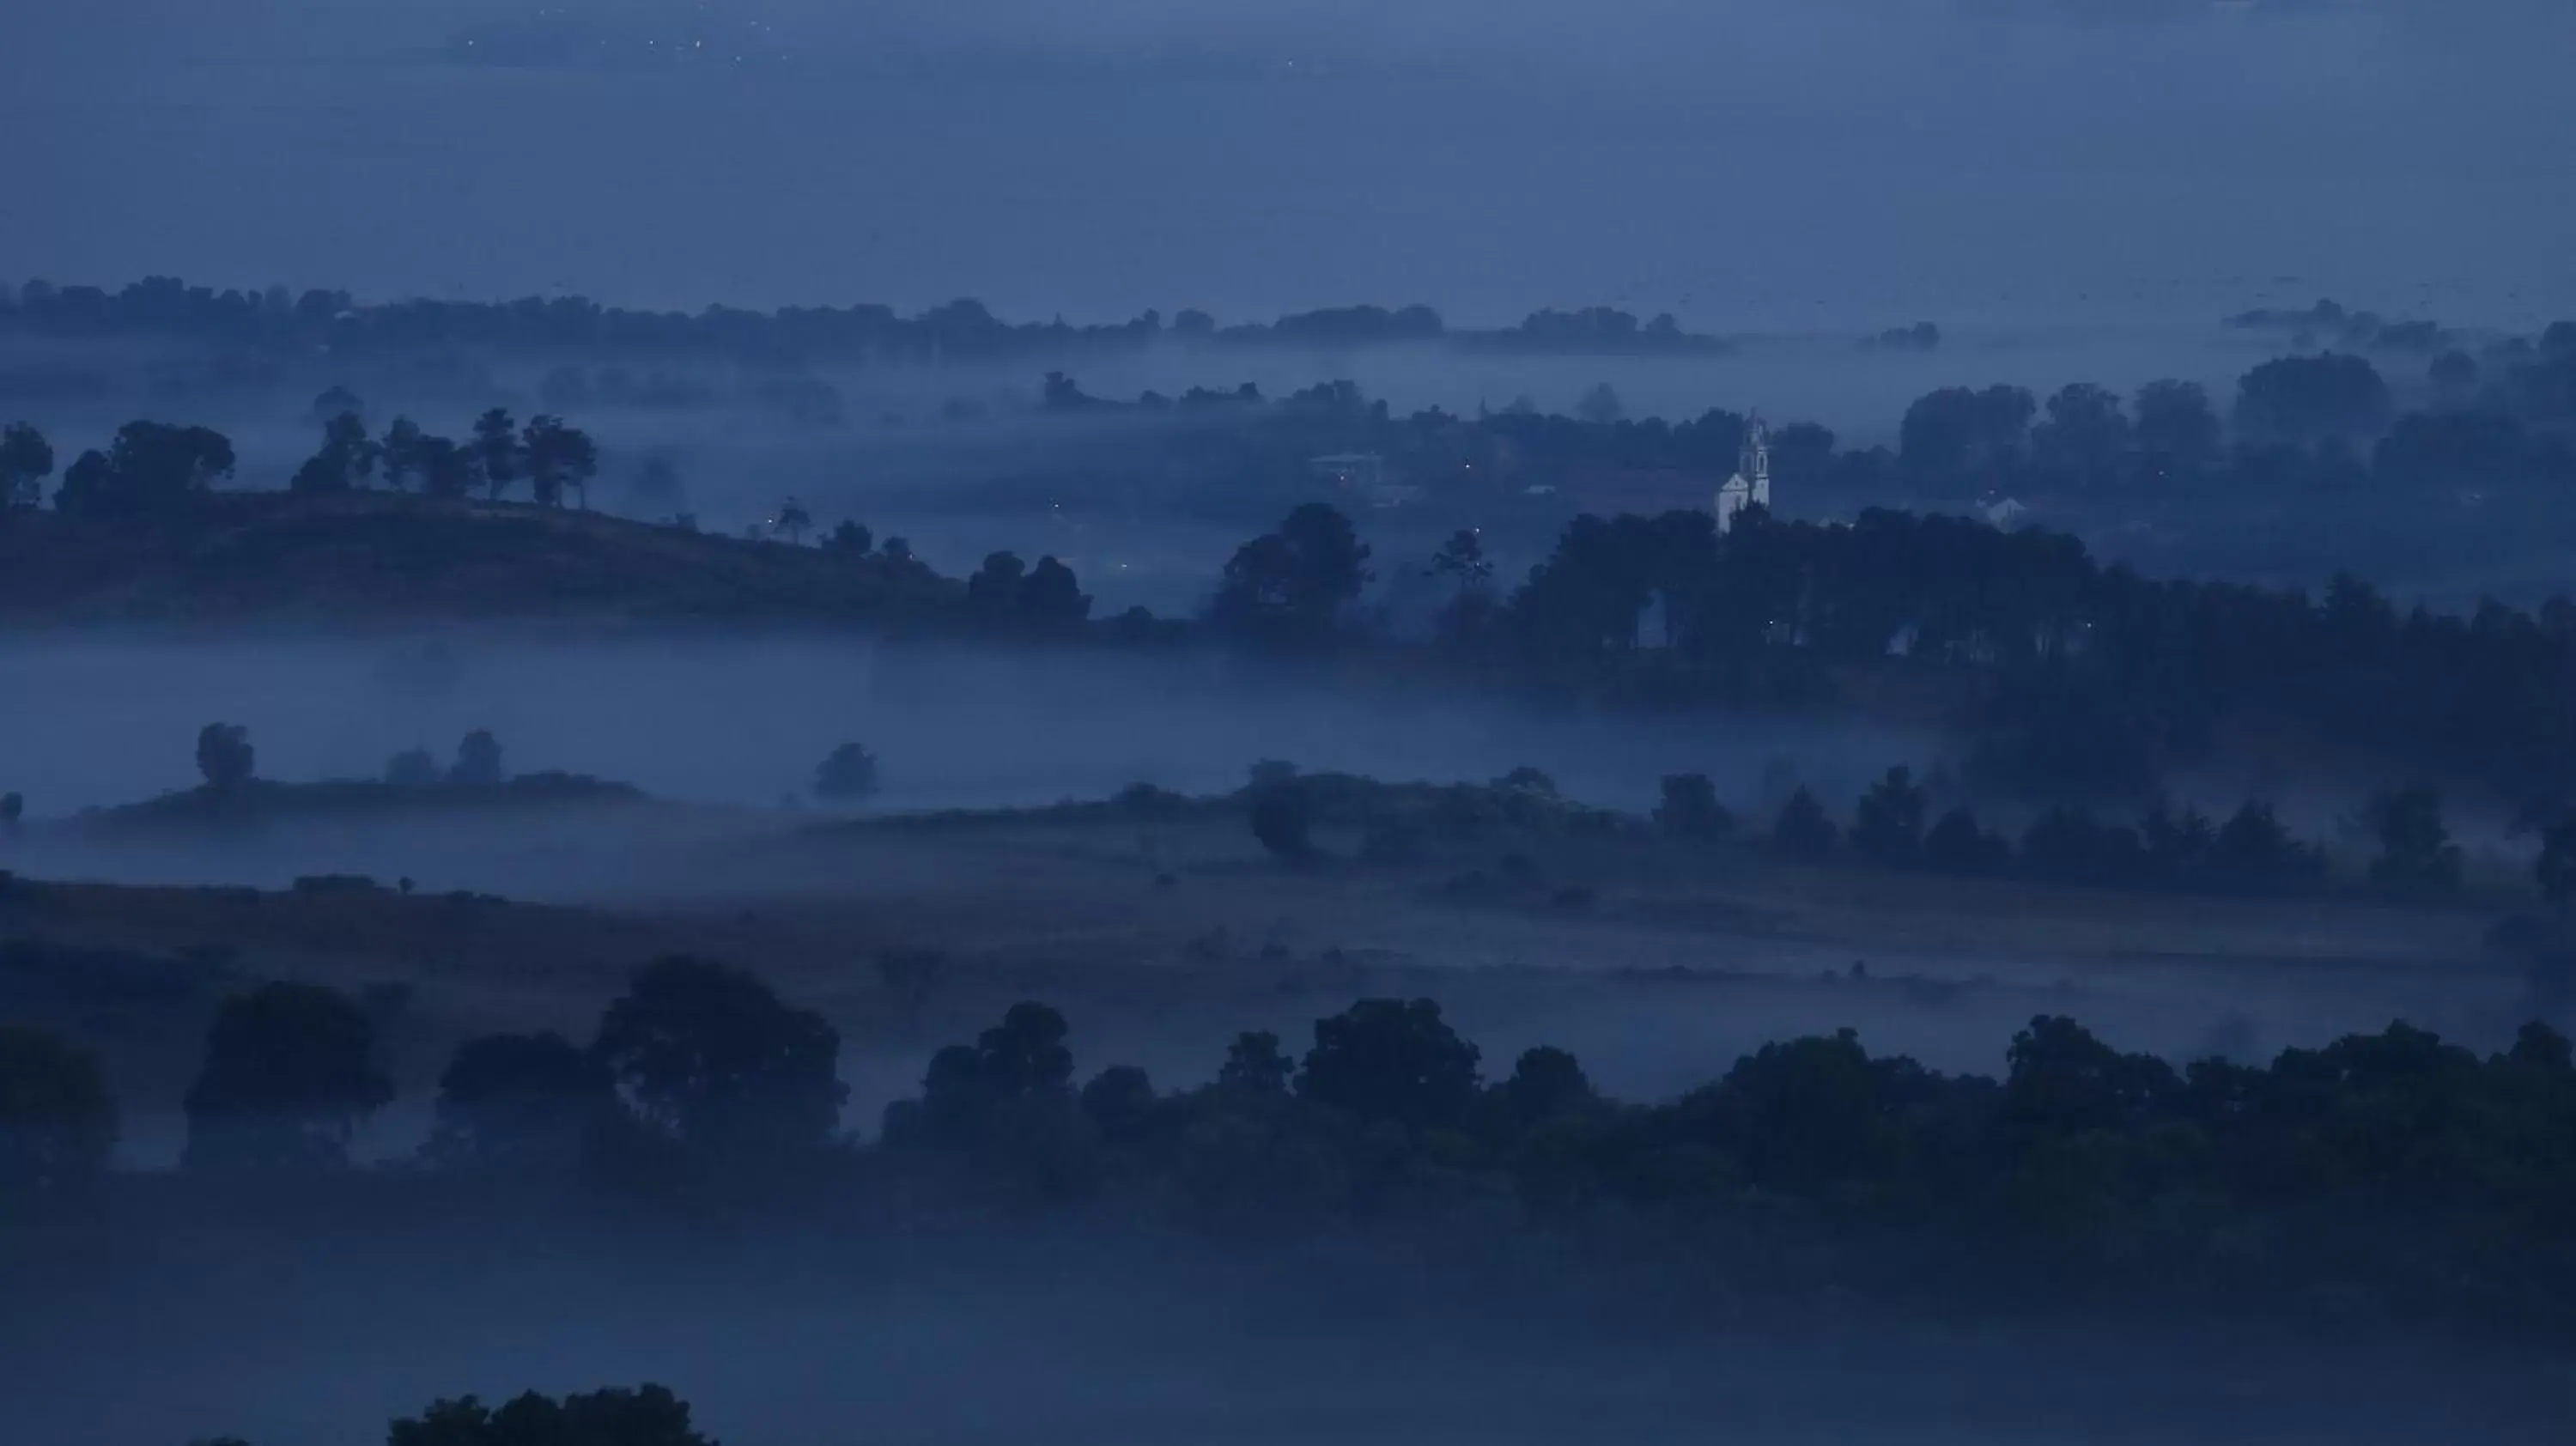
(745, 720)
(789, 1340)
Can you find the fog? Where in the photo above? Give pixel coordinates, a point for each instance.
(811, 1338)
(743, 720)
(2071, 190)
(1751, 165)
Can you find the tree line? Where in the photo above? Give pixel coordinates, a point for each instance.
(2078, 682)
(964, 330)
(2392, 1164)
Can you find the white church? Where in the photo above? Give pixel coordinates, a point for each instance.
(1751, 484)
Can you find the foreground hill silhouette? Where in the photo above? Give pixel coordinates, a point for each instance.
(382, 556)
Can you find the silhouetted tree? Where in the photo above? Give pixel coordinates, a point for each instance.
(446, 469)
(2177, 428)
(149, 469)
(1600, 406)
(2062, 1082)
(478, 761)
(557, 456)
(1956, 844)
(1279, 820)
(1462, 560)
(851, 538)
(1256, 1066)
(2085, 436)
(498, 455)
(1807, 1114)
(713, 1059)
(224, 755)
(1546, 1082)
(1958, 440)
(58, 1122)
(2416, 855)
(1803, 830)
(13, 807)
(2254, 849)
(519, 1101)
(647, 1416)
(400, 453)
(1887, 827)
(412, 768)
(1297, 581)
(1690, 809)
(1119, 1102)
(994, 591)
(1392, 1060)
(848, 773)
(26, 460)
(793, 521)
(347, 458)
(1051, 595)
(290, 1073)
(2304, 399)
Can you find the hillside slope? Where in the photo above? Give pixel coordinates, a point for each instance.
(389, 556)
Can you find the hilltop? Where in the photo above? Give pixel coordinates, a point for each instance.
(382, 556)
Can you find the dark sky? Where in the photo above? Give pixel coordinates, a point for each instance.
(1750, 164)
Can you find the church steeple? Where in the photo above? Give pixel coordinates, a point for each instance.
(1757, 459)
(1751, 484)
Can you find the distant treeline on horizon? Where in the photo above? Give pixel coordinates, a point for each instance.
(960, 330)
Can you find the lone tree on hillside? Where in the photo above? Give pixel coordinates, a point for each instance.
(793, 522)
(558, 456)
(846, 774)
(224, 755)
